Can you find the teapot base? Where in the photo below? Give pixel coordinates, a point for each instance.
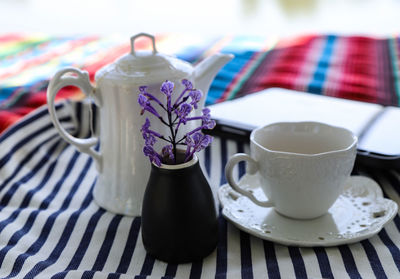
(114, 204)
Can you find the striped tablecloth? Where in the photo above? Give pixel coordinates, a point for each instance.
(50, 227)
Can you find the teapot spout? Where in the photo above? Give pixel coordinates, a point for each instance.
(206, 70)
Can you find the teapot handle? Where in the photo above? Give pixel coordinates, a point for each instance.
(133, 38)
(80, 80)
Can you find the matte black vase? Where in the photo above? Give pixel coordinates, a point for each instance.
(179, 221)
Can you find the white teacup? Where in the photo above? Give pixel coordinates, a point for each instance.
(302, 166)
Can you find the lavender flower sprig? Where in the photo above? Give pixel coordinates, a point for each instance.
(174, 115)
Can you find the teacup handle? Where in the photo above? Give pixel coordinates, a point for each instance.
(80, 80)
(252, 169)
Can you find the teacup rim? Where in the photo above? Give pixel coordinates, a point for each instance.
(350, 147)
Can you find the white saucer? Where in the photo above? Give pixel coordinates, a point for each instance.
(359, 213)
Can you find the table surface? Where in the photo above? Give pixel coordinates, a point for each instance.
(50, 227)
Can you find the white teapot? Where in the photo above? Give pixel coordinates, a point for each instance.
(123, 169)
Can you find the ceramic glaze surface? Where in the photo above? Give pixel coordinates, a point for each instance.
(123, 169)
(302, 166)
(359, 213)
(179, 221)
(121, 183)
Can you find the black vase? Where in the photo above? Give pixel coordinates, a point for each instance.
(179, 221)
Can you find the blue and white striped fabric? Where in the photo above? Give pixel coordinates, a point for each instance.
(51, 228)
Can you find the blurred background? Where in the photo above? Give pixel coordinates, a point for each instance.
(213, 17)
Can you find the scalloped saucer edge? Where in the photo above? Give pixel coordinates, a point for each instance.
(359, 213)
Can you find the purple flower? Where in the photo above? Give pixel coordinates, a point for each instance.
(206, 113)
(146, 105)
(143, 89)
(167, 152)
(188, 85)
(149, 136)
(206, 121)
(173, 116)
(152, 154)
(196, 142)
(200, 141)
(195, 95)
(209, 125)
(183, 111)
(149, 139)
(142, 100)
(167, 87)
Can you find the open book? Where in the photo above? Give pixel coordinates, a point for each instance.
(377, 127)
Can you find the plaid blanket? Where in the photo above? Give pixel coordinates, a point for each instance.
(358, 68)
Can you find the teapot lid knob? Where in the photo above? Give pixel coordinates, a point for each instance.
(153, 40)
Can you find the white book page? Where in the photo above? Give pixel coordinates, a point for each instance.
(279, 105)
(384, 134)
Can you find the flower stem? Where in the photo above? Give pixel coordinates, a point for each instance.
(163, 121)
(195, 130)
(173, 135)
(182, 139)
(180, 96)
(181, 102)
(167, 140)
(151, 97)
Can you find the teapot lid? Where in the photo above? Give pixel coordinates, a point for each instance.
(144, 67)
